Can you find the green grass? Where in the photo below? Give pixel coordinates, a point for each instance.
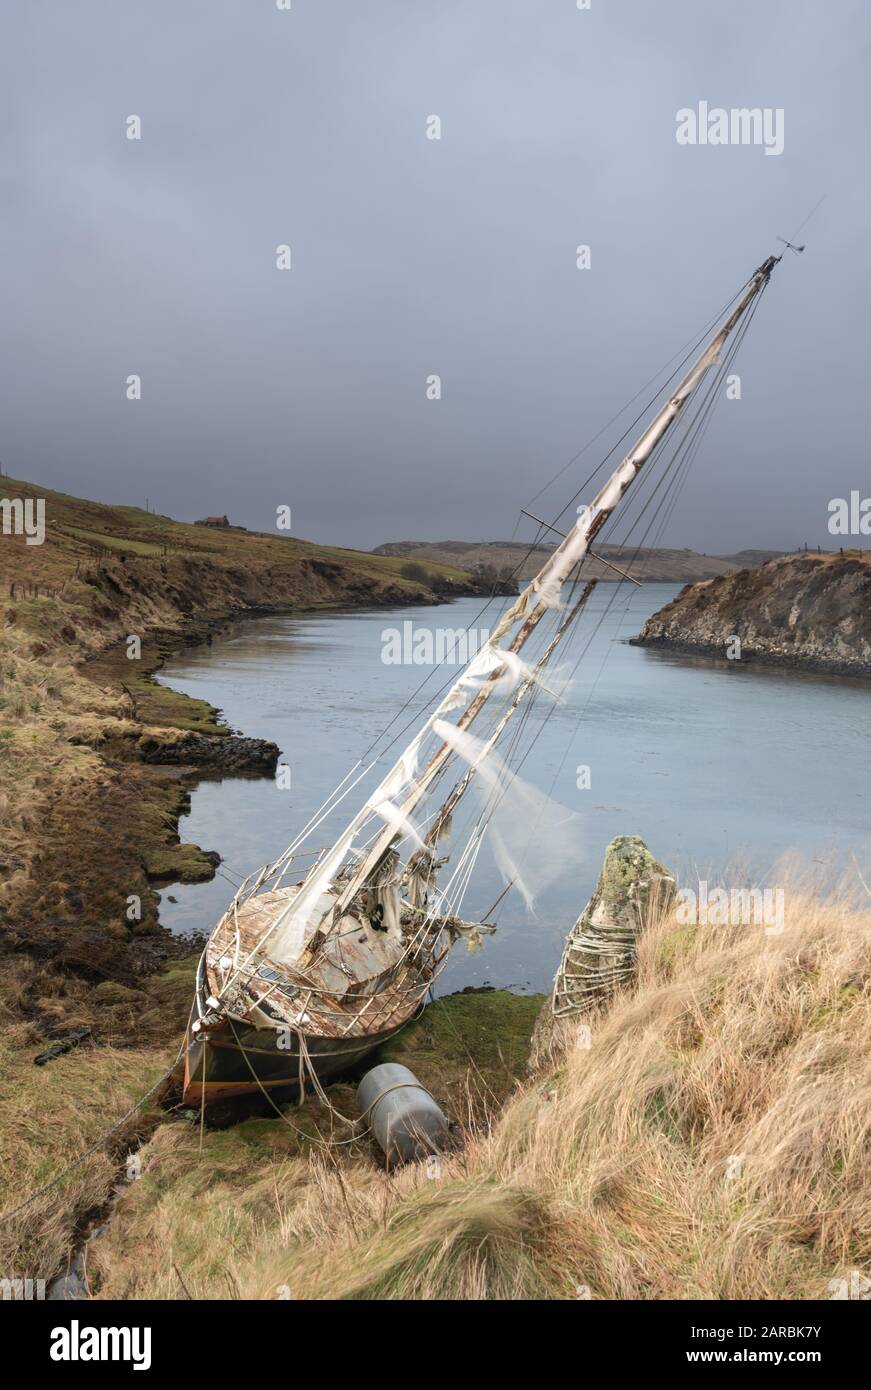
(468, 1044)
(74, 523)
(121, 543)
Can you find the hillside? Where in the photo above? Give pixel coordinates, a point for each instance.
(84, 726)
(810, 612)
(655, 566)
(169, 568)
(604, 1175)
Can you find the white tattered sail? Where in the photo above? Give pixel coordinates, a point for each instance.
(497, 667)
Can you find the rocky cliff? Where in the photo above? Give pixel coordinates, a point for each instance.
(810, 612)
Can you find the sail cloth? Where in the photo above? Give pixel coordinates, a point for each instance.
(384, 807)
(531, 836)
(510, 805)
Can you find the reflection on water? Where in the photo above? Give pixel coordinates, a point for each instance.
(712, 764)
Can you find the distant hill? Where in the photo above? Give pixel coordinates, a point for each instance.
(150, 566)
(662, 566)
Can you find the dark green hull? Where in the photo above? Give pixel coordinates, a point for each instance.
(235, 1060)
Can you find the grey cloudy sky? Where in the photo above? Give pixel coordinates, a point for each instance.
(413, 256)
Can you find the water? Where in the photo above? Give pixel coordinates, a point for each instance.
(712, 764)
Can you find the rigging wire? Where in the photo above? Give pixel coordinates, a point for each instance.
(671, 480)
(687, 347)
(691, 348)
(671, 477)
(704, 411)
(684, 451)
(330, 803)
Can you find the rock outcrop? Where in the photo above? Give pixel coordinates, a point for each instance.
(600, 949)
(811, 612)
(232, 753)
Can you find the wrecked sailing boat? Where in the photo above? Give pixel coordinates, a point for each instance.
(300, 980)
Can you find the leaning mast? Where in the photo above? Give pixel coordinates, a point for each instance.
(542, 593)
(539, 596)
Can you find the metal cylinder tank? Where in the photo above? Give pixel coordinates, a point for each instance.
(403, 1115)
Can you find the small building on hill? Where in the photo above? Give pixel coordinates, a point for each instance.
(213, 521)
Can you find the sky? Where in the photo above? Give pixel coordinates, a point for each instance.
(413, 257)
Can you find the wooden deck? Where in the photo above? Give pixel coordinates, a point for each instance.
(355, 982)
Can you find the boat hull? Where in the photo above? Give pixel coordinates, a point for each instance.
(234, 1059)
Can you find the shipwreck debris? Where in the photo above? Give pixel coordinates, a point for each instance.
(64, 1045)
(404, 1117)
(600, 950)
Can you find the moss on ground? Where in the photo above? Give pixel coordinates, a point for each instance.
(180, 864)
(155, 704)
(475, 1043)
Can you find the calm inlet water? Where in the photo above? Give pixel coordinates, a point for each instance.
(713, 765)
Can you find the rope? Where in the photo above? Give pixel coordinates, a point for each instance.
(322, 1143)
(399, 1086)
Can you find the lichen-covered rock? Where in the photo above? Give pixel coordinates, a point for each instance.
(600, 949)
(805, 611)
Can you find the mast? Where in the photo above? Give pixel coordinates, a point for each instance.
(540, 596)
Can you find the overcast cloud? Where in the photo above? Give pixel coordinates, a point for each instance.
(413, 256)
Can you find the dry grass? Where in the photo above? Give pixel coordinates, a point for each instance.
(711, 1144)
(43, 705)
(48, 1116)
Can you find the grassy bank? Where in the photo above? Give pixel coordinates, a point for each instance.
(711, 1143)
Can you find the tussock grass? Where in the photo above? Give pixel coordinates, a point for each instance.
(48, 1116)
(749, 1048)
(43, 706)
(712, 1143)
